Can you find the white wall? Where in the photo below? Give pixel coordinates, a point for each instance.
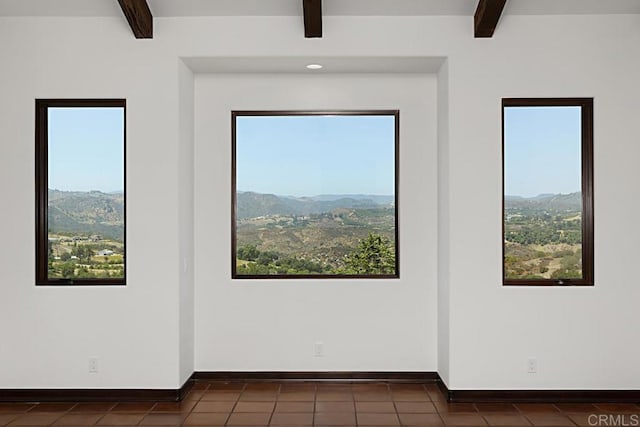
(185, 221)
(48, 333)
(365, 325)
(583, 337)
(444, 301)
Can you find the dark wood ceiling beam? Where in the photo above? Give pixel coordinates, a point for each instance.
(312, 18)
(139, 17)
(487, 16)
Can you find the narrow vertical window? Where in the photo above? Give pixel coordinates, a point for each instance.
(548, 191)
(80, 192)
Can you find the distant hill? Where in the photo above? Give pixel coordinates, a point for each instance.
(571, 201)
(251, 205)
(91, 212)
(383, 200)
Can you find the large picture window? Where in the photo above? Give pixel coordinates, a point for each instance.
(80, 192)
(548, 191)
(315, 194)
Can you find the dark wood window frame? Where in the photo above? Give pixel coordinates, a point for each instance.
(41, 178)
(586, 105)
(238, 113)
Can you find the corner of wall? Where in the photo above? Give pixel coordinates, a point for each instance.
(186, 221)
(443, 222)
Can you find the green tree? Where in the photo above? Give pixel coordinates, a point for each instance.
(67, 269)
(374, 255)
(248, 253)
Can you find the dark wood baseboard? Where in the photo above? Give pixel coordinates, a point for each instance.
(174, 395)
(96, 395)
(540, 396)
(340, 376)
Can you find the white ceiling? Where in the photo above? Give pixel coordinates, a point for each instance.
(169, 8)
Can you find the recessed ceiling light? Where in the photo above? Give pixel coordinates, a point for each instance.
(314, 66)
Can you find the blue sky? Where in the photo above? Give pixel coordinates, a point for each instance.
(313, 155)
(86, 149)
(542, 150)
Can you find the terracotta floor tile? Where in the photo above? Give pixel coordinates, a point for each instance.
(297, 396)
(39, 419)
(415, 407)
(256, 396)
(220, 395)
(511, 420)
(7, 417)
(445, 408)
(618, 408)
(294, 407)
(162, 420)
(114, 419)
(407, 387)
(263, 387)
(335, 407)
(206, 419)
(537, 408)
(375, 388)
(410, 396)
(93, 407)
(420, 419)
(437, 396)
(213, 406)
(254, 407)
(287, 388)
(549, 420)
(376, 407)
(576, 407)
(200, 385)
(590, 420)
(334, 396)
(227, 386)
(52, 407)
(15, 407)
(474, 420)
(372, 396)
(174, 407)
(194, 395)
(78, 420)
(333, 387)
(334, 418)
(249, 419)
(496, 407)
(137, 407)
(377, 419)
(292, 419)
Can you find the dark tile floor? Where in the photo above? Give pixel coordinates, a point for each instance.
(310, 404)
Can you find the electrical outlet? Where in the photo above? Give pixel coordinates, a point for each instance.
(93, 365)
(532, 365)
(318, 349)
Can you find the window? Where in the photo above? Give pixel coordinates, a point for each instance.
(80, 192)
(548, 191)
(314, 194)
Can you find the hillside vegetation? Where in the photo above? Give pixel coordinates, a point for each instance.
(86, 234)
(543, 236)
(317, 235)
